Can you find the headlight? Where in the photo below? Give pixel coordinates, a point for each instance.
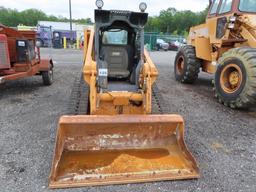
(232, 19)
(143, 7)
(231, 25)
(99, 4)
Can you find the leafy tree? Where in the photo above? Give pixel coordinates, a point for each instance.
(30, 17)
(169, 21)
(172, 21)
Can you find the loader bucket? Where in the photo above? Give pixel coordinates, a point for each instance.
(103, 150)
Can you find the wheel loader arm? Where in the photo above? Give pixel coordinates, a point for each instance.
(249, 34)
(248, 29)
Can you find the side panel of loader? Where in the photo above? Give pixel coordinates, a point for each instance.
(100, 150)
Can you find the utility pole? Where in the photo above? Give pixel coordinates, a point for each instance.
(70, 20)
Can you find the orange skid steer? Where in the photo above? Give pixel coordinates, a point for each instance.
(114, 138)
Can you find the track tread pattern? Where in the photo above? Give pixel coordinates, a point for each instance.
(79, 98)
(158, 103)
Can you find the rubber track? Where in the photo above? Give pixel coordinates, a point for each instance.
(78, 102)
(158, 103)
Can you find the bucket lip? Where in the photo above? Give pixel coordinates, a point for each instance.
(122, 180)
(99, 119)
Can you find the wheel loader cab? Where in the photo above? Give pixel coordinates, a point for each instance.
(222, 13)
(224, 22)
(225, 7)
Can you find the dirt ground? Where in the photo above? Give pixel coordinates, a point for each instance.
(222, 140)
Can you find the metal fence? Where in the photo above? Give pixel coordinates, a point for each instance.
(151, 39)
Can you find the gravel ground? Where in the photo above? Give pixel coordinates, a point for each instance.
(222, 140)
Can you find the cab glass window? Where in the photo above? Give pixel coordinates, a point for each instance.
(226, 6)
(214, 8)
(115, 37)
(247, 6)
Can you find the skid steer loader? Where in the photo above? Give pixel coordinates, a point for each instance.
(224, 46)
(118, 140)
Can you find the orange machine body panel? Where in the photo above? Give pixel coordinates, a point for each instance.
(4, 53)
(11, 67)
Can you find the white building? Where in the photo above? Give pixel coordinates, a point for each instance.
(79, 28)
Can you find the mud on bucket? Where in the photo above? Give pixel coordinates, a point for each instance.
(102, 150)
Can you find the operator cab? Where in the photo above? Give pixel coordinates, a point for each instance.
(117, 43)
(227, 13)
(119, 46)
(223, 7)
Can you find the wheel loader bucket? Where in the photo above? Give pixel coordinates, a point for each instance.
(103, 150)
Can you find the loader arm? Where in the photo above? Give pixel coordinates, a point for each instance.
(248, 29)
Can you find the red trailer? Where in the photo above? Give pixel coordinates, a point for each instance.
(20, 58)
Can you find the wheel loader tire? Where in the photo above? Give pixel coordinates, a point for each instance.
(47, 76)
(187, 65)
(79, 98)
(235, 78)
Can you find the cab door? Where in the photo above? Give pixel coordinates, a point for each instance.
(211, 20)
(225, 9)
(217, 18)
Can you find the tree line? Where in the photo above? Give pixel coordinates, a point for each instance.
(172, 21)
(169, 21)
(30, 17)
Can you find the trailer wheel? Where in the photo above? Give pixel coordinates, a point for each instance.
(187, 65)
(48, 76)
(235, 78)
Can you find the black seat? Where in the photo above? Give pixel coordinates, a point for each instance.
(117, 59)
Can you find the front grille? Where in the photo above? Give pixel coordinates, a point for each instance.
(120, 12)
(4, 61)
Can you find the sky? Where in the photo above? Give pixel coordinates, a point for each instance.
(84, 8)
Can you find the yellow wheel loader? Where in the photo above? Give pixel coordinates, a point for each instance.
(113, 138)
(224, 46)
